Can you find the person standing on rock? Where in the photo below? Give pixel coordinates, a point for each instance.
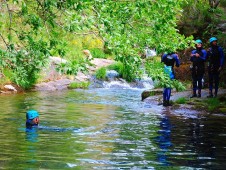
(198, 58)
(215, 57)
(169, 59)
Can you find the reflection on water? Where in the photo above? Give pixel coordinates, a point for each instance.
(106, 129)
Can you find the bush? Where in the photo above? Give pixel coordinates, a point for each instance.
(79, 85)
(98, 53)
(101, 73)
(117, 67)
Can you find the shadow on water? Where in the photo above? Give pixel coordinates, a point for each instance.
(107, 129)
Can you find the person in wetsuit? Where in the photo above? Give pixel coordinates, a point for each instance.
(32, 119)
(169, 59)
(215, 57)
(198, 58)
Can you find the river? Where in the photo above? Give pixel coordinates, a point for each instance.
(106, 129)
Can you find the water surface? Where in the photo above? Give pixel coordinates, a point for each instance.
(106, 129)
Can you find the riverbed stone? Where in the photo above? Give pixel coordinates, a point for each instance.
(147, 93)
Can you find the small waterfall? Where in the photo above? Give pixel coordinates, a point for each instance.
(117, 84)
(113, 81)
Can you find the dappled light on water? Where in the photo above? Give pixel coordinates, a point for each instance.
(107, 129)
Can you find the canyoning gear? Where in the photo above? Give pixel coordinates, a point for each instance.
(194, 94)
(31, 114)
(169, 60)
(199, 93)
(169, 71)
(215, 63)
(210, 94)
(32, 117)
(198, 41)
(215, 57)
(213, 39)
(198, 58)
(166, 103)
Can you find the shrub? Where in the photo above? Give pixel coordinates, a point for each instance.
(79, 85)
(118, 66)
(98, 53)
(101, 73)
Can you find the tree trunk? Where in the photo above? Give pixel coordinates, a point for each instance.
(214, 3)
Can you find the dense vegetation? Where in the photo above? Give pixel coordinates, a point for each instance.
(31, 31)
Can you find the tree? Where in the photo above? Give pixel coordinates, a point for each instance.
(214, 3)
(125, 27)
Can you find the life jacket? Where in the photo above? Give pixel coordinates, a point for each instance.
(169, 61)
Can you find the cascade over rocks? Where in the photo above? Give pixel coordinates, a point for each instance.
(55, 81)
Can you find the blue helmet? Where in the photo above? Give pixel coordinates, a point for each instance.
(198, 41)
(213, 39)
(31, 114)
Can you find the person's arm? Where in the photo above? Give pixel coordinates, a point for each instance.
(177, 60)
(221, 57)
(163, 58)
(204, 55)
(192, 55)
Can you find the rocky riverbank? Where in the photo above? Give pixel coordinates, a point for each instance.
(190, 106)
(52, 80)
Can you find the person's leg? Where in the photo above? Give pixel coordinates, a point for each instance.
(164, 96)
(168, 97)
(216, 82)
(199, 85)
(210, 85)
(194, 85)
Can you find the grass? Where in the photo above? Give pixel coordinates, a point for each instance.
(212, 104)
(101, 73)
(79, 85)
(181, 100)
(118, 66)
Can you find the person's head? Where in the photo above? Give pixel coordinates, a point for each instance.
(213, 41)
(32, 117)
(198, 43)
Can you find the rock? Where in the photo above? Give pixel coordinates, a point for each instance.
(57, 60)
(53, 85)
(147, 93)
(88, 54)
(55, 81)
(112, 74)
(9, 88)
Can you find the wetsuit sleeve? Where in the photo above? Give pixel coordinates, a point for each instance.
(177, 60)
(163, 58)
(204, 55)
(192, 57)
(221, 56)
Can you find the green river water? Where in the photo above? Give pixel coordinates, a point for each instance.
(106, 129)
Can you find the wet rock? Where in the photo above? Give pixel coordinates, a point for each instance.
(147, 93)
(53, 85)
(112, 74)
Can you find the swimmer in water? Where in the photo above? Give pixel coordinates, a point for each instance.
(32, 118)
